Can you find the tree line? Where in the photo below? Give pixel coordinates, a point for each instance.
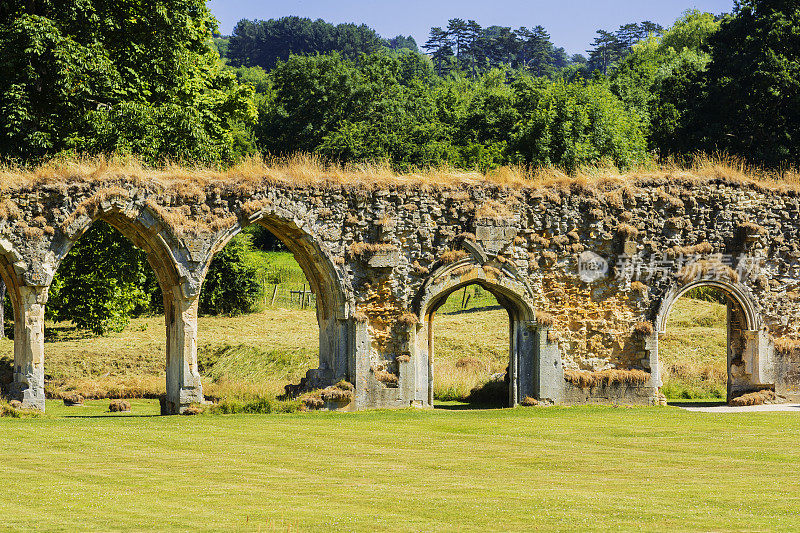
(265, 42)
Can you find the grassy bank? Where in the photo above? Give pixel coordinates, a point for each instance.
(655, 469)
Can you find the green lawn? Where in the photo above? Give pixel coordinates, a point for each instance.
(588, 468)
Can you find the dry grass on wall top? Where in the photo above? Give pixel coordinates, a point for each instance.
(643, 329)
(545, 319)
(304, 169)
(705, 268)
(453, 256)
(606, 378)
(364, 250)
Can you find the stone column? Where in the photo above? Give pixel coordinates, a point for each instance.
(28, 384)
(525, 358)
(549, 373)
(183, 378)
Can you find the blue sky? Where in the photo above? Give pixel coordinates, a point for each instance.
(571, 23)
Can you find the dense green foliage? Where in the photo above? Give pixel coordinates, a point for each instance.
(92, 76)
(102, 282)
(610, 48)
(390, 107)
(753, 84)
(466, 46)
(656, 80)
(231, 286)
(100, 76)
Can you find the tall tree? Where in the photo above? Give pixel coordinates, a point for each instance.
(537, 53)
(754, 83)
(609, 48)
(656, 81)
(606, 50)
(475, 53)
(648, 28)
(440, 49)
(458, 30)
(265, 42)
(402, 42)
(501, 45)
(100, 76)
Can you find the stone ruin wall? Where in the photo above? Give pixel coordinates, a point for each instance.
(373, 255)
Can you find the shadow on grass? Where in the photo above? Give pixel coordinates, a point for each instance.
(697, 403)
(492, 395)
(66, 333)
(467, 406)
(473, 310)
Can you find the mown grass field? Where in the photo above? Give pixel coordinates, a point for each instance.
(568, 469)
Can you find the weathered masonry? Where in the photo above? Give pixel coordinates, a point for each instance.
(587, 272)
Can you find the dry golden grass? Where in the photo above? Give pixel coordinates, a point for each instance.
(606, 378)
(304, 169)
(693, 352)
(249, 355)
(754, 398)
(469, 348)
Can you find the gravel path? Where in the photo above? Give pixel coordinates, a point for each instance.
(789, 407)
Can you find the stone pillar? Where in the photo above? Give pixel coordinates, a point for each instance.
(334, 344)
(526, 360)
(360, 363)
(183, 378)
(28, 384)
(651, 360)
(549, 373)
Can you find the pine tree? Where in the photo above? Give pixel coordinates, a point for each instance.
(439, 48)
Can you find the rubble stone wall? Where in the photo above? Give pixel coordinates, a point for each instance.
(588, 273)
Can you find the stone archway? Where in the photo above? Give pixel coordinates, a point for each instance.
(167, 259)
(749, 357)
(534, 364)
(332, 289)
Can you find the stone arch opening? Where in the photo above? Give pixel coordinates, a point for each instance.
(524, 357)
(328, 297)
(29, 296)
(491, 386)
(745, 348)
(144, 359)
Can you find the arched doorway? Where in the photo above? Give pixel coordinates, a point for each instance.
(524, 336)
(20, 382)
(320, 297)
(745, 348)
